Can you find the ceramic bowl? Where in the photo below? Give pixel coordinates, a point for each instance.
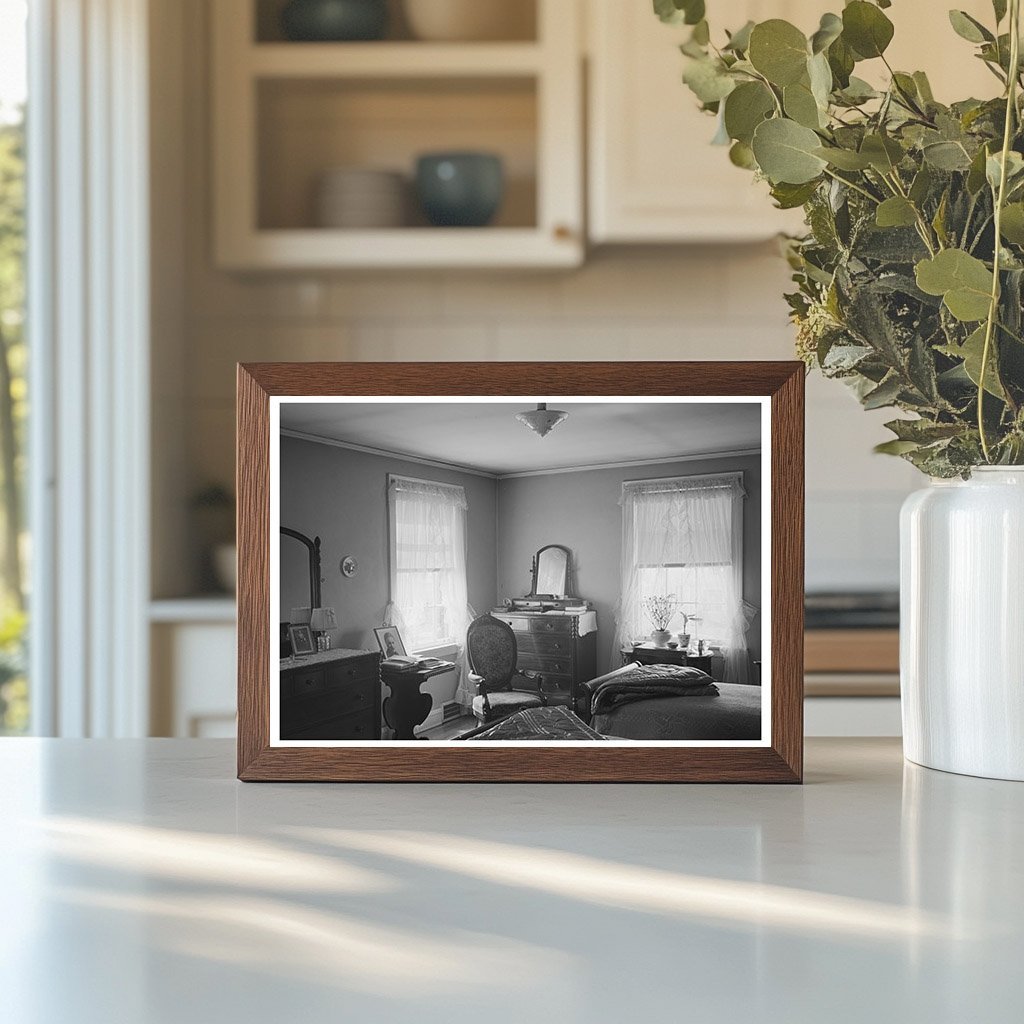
(460, 189)
(467, 20)
(334, 20)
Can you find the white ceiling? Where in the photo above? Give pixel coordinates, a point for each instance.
(486, 437)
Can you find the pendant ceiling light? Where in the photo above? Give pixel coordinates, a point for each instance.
(542, 420)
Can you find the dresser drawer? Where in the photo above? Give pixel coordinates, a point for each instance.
(555, 644)
(303, 683)
(347, 674)
(545, 664)
(547, 624)
(555, 682)
(520, 623)
(359, 726)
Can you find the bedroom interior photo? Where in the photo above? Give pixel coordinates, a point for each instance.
(501, 570)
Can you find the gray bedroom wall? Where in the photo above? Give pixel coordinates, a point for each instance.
(341, 496)
(581, 510)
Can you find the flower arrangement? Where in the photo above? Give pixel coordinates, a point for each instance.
(660, 610)
(910, 278)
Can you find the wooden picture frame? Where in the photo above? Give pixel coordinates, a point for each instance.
(302, 640)
(383, 634)
(779, 759)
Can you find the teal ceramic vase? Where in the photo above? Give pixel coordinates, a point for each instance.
(331, 21)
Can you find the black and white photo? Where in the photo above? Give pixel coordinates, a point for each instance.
(546, 570)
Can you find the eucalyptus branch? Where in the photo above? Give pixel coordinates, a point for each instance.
(1000, 199)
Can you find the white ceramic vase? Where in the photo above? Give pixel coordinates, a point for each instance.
(660, 637)
(962, 624)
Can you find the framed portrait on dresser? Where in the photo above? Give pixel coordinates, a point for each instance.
(585, 572)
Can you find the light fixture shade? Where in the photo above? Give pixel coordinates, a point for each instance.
(323, 618)
(542, 420)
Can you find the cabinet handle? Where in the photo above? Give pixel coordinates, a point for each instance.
(563, 232)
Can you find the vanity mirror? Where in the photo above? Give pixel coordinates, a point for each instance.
(300, 570)
(552, 570)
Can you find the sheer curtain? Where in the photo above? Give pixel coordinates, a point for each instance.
(429, 599)
(684, 537)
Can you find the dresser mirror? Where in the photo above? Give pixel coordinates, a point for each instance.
(552, 570)
(299, 571)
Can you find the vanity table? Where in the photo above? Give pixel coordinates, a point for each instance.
(556, 635)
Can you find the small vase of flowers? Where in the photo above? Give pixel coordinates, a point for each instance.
(660, 610)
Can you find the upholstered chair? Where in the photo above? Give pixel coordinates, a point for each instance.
(491, 645)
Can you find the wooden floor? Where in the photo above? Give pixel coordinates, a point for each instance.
(449, 730)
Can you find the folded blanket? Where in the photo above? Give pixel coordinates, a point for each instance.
(643, 682)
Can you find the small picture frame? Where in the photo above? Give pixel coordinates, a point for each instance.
(390, 641)
(301, 637)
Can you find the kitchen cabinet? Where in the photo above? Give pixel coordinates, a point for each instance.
(653, 175)
(285, 114)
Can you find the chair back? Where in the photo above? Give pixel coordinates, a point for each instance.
(491, 645)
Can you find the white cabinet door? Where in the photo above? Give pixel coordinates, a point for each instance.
(653, 175)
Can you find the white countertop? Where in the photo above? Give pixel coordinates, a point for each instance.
(142, 884)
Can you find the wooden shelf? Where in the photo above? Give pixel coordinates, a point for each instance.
(402, 247)
(393, 60)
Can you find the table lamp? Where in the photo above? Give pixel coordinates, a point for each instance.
(321, 620)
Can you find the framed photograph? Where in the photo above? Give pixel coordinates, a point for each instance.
(606, 558)
(301, 637)
(390, 641)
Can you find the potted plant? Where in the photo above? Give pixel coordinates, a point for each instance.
(660, 610)
(908, 289)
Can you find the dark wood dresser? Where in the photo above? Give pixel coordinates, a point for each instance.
(551, 643)
(333, 695)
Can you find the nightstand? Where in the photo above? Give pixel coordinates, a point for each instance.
(650, 654)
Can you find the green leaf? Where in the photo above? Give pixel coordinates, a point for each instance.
(999, 7)
(745, 108)
(921, 185)
(789, 197)
(841, 60)
(741, 155)
(884, 395)
(1012, 226)
(1014, 169)
(976, 174)
(947, 156)
(800, 105)
(739, 41)
(963, 281)
(830, 29)
(820, 76)
(924, 87)
(971, 352)
(895, 447)
(785, 152)
(883, 153)
(844, 159)
(708, 80)
(778, 50)
(969, 28)
(676, 12)
(896, 212)
(866, 29)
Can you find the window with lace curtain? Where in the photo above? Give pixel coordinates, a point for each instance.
(427, 527)
(683, 537)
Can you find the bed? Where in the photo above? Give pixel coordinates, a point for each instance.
(700, 710)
